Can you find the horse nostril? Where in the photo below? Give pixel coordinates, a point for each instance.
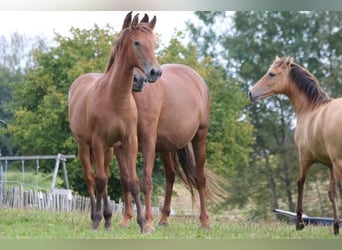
(153, 72)
(159, 72)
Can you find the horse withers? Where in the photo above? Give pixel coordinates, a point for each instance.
(318, 134)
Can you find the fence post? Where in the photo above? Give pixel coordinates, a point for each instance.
(54, 176)
(65, 174)
(1, 183)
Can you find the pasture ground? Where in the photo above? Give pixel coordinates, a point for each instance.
(39, 224)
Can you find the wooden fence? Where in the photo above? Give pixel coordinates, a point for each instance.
(58, 200)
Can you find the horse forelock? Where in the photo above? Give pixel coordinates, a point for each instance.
(308, 84)
(281, 61)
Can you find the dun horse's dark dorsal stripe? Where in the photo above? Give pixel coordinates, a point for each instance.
(308, 84)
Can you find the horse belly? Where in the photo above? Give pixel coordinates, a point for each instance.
(175, 135)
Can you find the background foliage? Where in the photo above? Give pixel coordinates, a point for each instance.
(249, 145)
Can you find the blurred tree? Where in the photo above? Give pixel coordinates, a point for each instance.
(15, 56)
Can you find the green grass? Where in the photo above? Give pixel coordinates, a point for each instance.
(37, 224)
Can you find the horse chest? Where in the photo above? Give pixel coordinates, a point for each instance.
(112, 125)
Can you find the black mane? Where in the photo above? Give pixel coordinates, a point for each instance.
(308, 84)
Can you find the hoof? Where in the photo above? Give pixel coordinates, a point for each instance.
(148, 228)
(95, 225)
(125, 223)
(205, 225)
(163, 223)
(108, 226)
(300, 226)
(336, 228)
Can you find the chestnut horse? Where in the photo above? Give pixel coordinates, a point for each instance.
(102, 113)
(173, 119)
(318, 134)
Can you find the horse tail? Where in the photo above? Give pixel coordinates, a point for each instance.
(186, 170)
(214, 187)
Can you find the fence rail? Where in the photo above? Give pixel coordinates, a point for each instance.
(58, 200)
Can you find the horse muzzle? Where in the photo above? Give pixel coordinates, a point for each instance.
(153, 74)
(139, 81)
(252, 97)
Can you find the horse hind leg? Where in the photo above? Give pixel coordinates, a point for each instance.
(148, 151)
(333, 198)
(199, 149)
(170, 179)
(107, 210)
(128, 210)
(84, 153)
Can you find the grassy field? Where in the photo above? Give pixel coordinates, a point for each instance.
(37, 224)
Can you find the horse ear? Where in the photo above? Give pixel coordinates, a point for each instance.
(289, 61)
(135, 21)
(127, 20)
(153, 22)
(144, 19)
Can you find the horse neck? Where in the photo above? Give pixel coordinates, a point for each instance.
(120, 80)
(299, 101)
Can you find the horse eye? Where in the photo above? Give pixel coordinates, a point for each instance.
(272, 74)
(136, 43)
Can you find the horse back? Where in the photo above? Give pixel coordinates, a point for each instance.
(187, 90)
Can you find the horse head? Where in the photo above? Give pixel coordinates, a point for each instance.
(274, 81)
(139, 41)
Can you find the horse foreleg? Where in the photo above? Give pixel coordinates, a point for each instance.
(147, 185)
(88, 175)
(170, 175)
(300, 187)
(128, 210)
(333, 198)
(304, 168)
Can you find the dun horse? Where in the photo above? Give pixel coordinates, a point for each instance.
(102, 113)
(173, 119)
(318, 134)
